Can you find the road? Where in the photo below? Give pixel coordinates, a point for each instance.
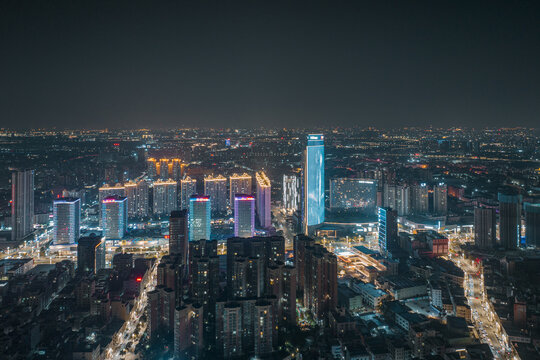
(485, 321)
(126, 339)
(280, 223)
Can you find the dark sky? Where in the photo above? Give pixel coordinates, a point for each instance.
(96, 64)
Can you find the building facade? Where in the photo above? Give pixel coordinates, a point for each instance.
(67, 220)
(313, 176)
(199, 217)
(22, 207)
(264, 191)
(244, 215)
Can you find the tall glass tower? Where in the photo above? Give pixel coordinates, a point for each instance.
(67, 220)
(313, 167)
(199, 217)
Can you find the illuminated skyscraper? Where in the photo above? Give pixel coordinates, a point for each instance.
(22, 207)
(114, 216)
(263, 199)
(388, 229)
(165, 198)
(107, 190)
(358, 195)
(291, 193)
(188, 187)
(532, 224)
(239, 184)
(485, 223)
(313, 173)
(142, 199)
(67, 220)
(244, 215)
(216, 188)
(199, 217)
(440, 195)
(509, 220)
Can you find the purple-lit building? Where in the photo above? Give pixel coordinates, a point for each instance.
(244, 215)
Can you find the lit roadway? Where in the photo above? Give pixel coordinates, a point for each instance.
(126, 339)
(280, 223)
(485, 321)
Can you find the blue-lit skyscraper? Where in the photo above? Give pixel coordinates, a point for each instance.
(114, 215)
(313, 174)
(244, 215)
(67, 220)
(388, 229)
(199, 217)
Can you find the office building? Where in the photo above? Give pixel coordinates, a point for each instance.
(199, 217)
(216, 188)
(264, 190)
(313, 176)
(388, 229)
(67, 220)
(239, 184)
(178, 234)
(532, 224)
(509, 220)
(22, 206)
(358, 195)
(291, 193)
(114, 216)
(485, 225)
(440, 196)
(165, 198)
(244, 215)
(91, 254)
(420, 199)
(107, 190)
(188, 187)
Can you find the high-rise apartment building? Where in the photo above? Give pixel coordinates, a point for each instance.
(313, 175)
(440, 196)
(264, 191)
(188, 187)
(137, 195)
(175, 169)
(397, 197)
(239, 184)
(291, 193)
(22, 206)
(165, 197)
(164, 169)
(485, 227)
(509, 220)
(348, 194)
(114, 216)
(420, 199)
(388, 229)
(532, 224)
(67, 220)
(91, 254)
(216, 188)
(244, 215)
(320, 281)
(199, 217)
(151, 168)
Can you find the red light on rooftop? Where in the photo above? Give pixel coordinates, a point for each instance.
(138, 279)
(116, 144)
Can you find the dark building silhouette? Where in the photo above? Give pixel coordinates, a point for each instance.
(91, 254)
(509, 220)
(532, 224)
(178, 234)
(485, 224)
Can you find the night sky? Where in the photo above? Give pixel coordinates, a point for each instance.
(120, 64)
